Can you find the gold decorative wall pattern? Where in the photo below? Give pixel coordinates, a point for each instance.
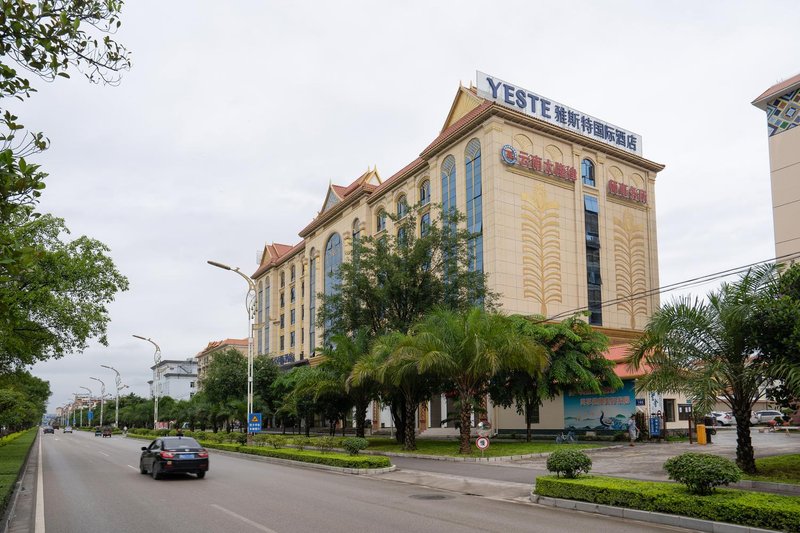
(629, 256)
(541, 248)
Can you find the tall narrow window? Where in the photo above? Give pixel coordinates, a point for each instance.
(381, 221)
(472, 162)
(587, 172)
(402, 206)
(312, 301)
(424, 224)
(267, 318)
(283, 279)
(356, 230)
(448, 185)
(291, 317)
(401, 237)
(260, 318)
(595, 297)
(292, 294)
(333, 260)
(291, 274)
(425, 193)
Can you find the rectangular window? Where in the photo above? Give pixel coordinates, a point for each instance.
(283, 322)
(291, 339)
(291, 295)
(281, 342)
(669, 410)
(592, 219)
(259, 347)
(291, 317)
(283, 300)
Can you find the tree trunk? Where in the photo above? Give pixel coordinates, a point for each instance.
(361, 416)
(398, 409)
(745, 457)
(466, 425)
(528, 407)
(410, 442)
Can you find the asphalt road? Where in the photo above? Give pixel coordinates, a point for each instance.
(94, 485)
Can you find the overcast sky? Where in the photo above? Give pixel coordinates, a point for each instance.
(236, 116)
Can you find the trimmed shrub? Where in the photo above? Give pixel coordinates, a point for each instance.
(701, 473)
(353, 445)
(569, 462)
(326, 444)
(301, 443)
(12, 457)
(753, 509)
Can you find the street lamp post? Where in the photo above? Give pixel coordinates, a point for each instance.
(156, 381)
(250, 305)
(90, 399)
(118, 380)
(102, 397)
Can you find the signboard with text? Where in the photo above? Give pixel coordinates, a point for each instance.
(542, 108)
(253, 422)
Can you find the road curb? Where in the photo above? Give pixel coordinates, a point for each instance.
(697, 524)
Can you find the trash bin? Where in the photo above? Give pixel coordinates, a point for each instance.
(701, 434)
(710, 423)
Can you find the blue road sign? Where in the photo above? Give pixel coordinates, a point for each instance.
(91, 415)
(655, 426)
(253, 422)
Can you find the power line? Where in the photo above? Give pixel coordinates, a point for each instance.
(688, 283)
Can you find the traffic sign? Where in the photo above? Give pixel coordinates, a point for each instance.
(253, 422)
(482, 443)
(91, 415)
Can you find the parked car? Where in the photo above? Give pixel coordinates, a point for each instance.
(106, 432)
(167, 455)
(765, 416)
(48, 429)
(67, 429)
(723, 419)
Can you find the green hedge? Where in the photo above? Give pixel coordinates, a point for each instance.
(754, 509)
(308, 456)
(12, 457)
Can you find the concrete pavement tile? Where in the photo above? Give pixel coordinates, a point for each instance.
(636, 514)
(565, 504)
(719, 527)
(609, 510)
(586, 506)
(697, 524)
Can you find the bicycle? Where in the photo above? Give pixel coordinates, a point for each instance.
(568, 438)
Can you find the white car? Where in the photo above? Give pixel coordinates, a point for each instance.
(723, 419)
(762, 417)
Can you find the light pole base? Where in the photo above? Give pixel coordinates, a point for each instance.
(249, 439)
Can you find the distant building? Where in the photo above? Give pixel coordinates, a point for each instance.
(174, 378)
(205, 357)
(782, 104)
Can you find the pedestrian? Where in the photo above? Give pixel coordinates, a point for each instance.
(633, 431)
(124, 431)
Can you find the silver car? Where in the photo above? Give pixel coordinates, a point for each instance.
(762, 417)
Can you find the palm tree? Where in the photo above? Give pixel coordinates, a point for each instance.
(467, 350)
(703, 350)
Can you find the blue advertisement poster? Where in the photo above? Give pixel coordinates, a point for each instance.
(600, 411)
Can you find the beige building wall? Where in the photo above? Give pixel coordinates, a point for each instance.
(781, 103)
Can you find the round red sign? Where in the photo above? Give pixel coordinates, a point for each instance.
(482, 443)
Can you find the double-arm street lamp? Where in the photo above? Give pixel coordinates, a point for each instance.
(156, 380)
(90, 399)
(120, 386)
(102, 397)
(250, 305)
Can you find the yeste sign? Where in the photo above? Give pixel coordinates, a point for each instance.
(538, 106)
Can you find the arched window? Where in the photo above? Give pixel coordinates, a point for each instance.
(472, 164)
(425, 193)
(381, 221)
(424, 224)
(333, 260)
(402, 206)
(587, 172)
(449, 184)
(401, 236)
(356, 230)
(312, 299)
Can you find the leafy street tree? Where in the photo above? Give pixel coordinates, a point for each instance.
(58, 302)
(297, 388)
(468, 349)
(575, 364)
(391, 281)
(705, 350)
(23, 400)
(41, 314)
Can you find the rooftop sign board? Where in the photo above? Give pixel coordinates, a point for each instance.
(543, 108)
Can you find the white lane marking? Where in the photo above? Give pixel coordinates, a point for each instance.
(243, 519)
(39, 524)
(129, 466)
(104, 453)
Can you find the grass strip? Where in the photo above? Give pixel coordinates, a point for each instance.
(450, 448)
(753, 509)
(308, 456)
(777, 469)
(12, 458)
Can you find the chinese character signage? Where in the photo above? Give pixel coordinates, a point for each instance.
(542, 108)
(516, 158)
(600, 411)
(626, 192)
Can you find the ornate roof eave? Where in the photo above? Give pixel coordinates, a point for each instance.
(541, 125)
(396, 179)
(279, 260)
(333, 211)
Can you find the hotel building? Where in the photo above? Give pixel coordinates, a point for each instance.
(563, 205)
(781, 102)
